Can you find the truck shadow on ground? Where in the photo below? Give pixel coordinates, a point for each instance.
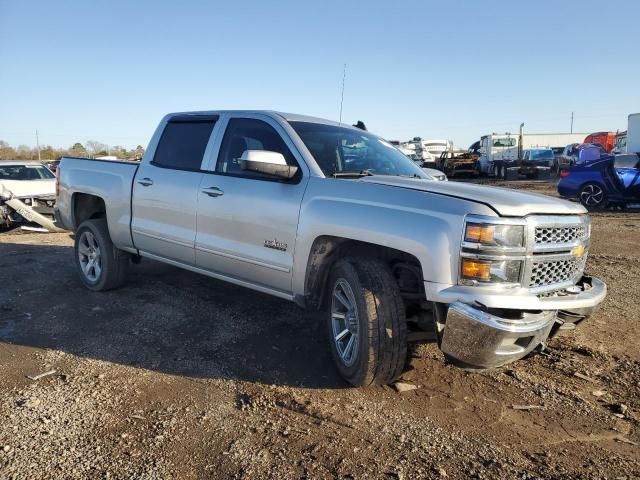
(164, 319)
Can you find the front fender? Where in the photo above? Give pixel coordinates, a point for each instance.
(425, 225)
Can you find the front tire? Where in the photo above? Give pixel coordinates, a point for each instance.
(100, 265)
(366, 322)
(592, 196)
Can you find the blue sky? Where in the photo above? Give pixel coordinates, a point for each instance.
(109, 70)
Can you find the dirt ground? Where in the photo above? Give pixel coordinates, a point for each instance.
(180, 376)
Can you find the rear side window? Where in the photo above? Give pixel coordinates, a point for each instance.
(183, 143)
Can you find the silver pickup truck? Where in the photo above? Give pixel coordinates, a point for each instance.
(334, 218)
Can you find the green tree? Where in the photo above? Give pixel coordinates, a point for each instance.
(77, 150)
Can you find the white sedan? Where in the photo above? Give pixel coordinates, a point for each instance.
(33, 186)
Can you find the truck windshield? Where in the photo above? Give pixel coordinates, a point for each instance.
(504, 142)
(24, 172)
(341, 151)
(541, 154)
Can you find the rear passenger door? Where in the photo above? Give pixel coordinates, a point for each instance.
(247, 222)
(166, 190)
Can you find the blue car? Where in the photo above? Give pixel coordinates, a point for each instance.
(611, 180)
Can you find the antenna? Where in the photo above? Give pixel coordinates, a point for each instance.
(344, 75)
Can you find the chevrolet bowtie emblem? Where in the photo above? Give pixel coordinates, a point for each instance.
(578, 251)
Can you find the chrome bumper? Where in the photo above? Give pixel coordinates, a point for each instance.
(486, 338)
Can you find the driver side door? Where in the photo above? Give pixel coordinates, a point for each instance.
(247, 228)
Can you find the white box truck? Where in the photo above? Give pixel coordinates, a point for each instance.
(633, 133)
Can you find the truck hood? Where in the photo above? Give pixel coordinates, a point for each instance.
(29, 188)
(505, 201)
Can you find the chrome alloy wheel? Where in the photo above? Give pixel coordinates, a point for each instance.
(344, 322)
(591, 196)
(89, 256)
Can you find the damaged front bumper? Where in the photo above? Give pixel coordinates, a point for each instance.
(16, 210)
(477, 336)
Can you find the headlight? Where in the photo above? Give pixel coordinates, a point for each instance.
(490, 271)
(494, 235)
(492, 252)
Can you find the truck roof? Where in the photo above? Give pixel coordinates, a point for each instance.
(290, 117)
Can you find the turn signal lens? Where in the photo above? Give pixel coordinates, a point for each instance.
(476, 270)
(479, 233)
(564, 173)
(494, 235)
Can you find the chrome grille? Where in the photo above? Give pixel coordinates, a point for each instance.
(561, 234)
(545, 273)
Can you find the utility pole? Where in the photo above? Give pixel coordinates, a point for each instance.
(344, 75)
(571, 122)
(38, 144)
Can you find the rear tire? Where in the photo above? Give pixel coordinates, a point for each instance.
(365, 308)
(592, 196)
(100, 265)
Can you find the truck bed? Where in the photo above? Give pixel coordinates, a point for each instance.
(110, 180)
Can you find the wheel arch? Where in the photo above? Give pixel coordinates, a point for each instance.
(86, 206)
(326, 250)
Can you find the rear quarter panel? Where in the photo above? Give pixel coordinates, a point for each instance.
(568, 187)
(109, 180)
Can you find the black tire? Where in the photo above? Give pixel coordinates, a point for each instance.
(380, 316)
(503, 172)
(593, 196)
(113, 263)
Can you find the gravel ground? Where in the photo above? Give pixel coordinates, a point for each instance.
(181, 376)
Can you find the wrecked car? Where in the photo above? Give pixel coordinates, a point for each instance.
(336, 219)
(27, 194)
(610, 180)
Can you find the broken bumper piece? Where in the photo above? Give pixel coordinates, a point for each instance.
(480, 338)
(25, 212)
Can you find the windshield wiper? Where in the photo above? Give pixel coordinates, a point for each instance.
(361, 173)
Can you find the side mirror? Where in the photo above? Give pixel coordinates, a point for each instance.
(268, 163)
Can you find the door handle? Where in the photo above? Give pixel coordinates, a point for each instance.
(145, 182)
(213, 191)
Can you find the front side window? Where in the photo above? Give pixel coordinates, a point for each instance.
(249, 134)
(183, 143)
(341, 151)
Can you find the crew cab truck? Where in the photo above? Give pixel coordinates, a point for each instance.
(334, 218)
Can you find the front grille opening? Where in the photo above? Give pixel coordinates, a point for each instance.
(548, 273)
(560, 234)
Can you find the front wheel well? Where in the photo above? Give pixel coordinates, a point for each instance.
(326, 250)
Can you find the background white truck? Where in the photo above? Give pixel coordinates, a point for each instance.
(499, 151)
(633, 134)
